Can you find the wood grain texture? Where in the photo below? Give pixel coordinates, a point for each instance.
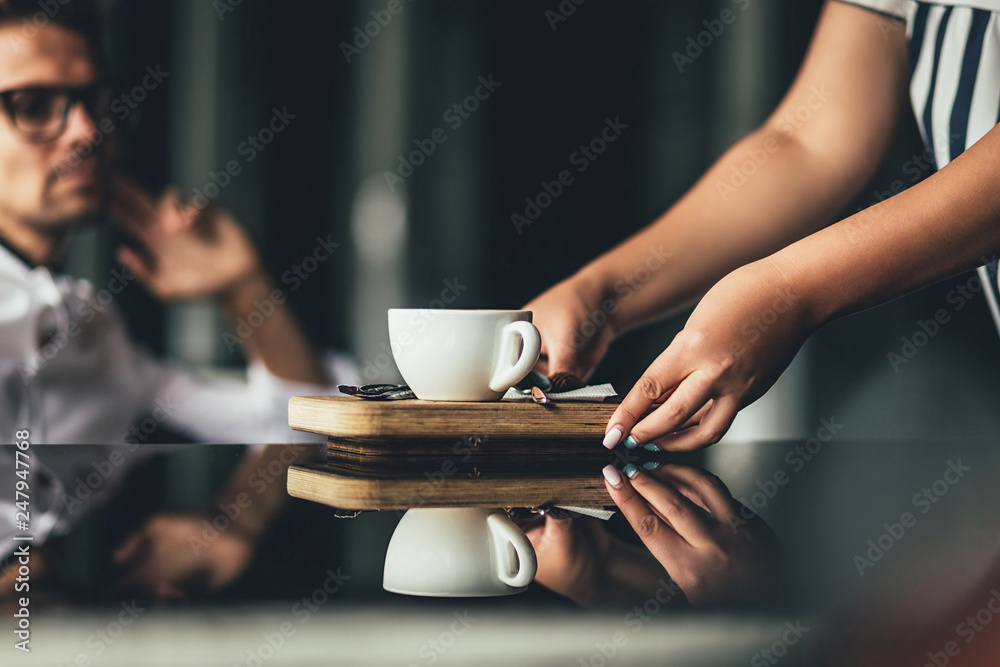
(355, 491)
(349, 417)
(485, 454)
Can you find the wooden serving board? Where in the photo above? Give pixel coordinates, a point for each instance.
(348, 490)
(413, 453)
(350, 417)
(469, 454)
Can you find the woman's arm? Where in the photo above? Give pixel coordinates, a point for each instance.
(780, 183)
(748, 327)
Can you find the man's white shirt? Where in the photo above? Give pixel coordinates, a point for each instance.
(71, 375)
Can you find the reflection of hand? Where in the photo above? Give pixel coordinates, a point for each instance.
(578, 559)
(576, 331)
(692, 525)
(739, 339)
(171, 557)
(572, 557)
(183, 253)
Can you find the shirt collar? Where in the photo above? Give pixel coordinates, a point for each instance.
(26, 261)
(6, 245)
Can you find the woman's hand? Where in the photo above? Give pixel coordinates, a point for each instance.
(575, 323)
(693, 526)
(578, 559)
(739, 339)
(572, 556)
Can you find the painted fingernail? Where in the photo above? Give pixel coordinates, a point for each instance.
(613, 476)
(631, 442)
(630, 470)
(651, 465)
(651, 448)
(613, 437)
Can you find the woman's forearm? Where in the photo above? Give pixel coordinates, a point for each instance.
(775, 186)
(947, 224)
(782, 192)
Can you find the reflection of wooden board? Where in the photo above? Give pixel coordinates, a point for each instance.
(473, 453)
(399, 454)
(349, 417)
(355, 491)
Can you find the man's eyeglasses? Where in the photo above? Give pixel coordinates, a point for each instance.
(40, 113)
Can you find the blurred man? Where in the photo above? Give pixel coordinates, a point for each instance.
(68, 370)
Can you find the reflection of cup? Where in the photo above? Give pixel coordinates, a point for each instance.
(462, 355)
(458, 552)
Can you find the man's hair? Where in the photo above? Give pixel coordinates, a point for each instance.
(85, 17)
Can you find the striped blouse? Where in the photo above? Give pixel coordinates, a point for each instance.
(954, 56)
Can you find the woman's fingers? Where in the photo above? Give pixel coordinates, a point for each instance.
(691, 522)
(661, 516)
(711, 427)
(654, 384)
(708, 488)
(687, 400)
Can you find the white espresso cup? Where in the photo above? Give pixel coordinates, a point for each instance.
(463, 355)
(458, 552)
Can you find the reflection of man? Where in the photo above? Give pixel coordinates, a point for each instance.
(68, 370)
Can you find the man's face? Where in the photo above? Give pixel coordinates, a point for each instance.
(39, 184)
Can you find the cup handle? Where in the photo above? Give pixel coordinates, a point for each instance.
(506, 535)
(506, 377)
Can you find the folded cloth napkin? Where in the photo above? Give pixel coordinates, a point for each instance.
(593, 394)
